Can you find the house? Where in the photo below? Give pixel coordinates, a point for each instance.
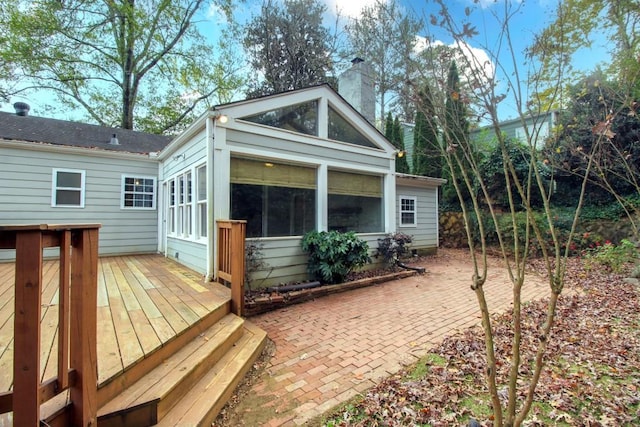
(536, 127)
(287, 164)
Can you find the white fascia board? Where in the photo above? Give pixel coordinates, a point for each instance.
(80, 151)
(198, 125)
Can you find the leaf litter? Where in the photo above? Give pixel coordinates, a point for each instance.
(591, 375)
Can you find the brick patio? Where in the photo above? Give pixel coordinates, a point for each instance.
(333, 348)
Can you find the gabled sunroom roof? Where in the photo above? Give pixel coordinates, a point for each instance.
(317, 110)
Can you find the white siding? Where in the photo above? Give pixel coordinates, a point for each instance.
(189, 252)
(25, 196)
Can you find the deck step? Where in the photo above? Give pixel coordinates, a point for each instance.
(150, 398)
(201, 405)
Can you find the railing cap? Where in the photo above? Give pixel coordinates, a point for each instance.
(50, 227)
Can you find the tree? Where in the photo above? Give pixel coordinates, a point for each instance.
(426, 145)
(142, 65)
(576, 24)
(511, 393)
(289, 47)
(385, 38)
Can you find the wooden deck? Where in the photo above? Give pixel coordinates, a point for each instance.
(144, 301)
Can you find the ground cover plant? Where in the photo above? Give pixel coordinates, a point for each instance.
(591, 375)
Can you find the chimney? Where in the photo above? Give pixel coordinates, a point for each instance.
(356, 86)
(22, 108)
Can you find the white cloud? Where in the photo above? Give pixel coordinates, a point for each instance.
(350, 9)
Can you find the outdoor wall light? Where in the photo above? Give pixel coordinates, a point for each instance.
(221, 118)
(400, 153)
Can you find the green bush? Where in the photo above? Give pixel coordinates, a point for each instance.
(612, 257)
(333, 255)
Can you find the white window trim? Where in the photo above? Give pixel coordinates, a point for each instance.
(199, 226)
(180, 209)
(54, 187)
(122, 192)
(414, 211)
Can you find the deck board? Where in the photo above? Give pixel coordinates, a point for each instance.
(143, 301)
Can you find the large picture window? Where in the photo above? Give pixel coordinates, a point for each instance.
(355, 202)
(138, 192)
(67, 188)
(275, 199)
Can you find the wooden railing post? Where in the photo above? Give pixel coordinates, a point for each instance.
(26, 362)
(83, 340)
(231, 253)
(237, 267)
(78, 307)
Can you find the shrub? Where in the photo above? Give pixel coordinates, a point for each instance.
(253, 261)
(393, 247)
(333, 255)
(610, 256)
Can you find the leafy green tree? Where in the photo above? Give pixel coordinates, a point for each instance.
(427, 160)
(289, 46)
(385, 37)
(142, 65)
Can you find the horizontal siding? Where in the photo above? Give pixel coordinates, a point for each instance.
(25, 197)
(191, 254)
(286, 262)
(191, 153)
(425, 234)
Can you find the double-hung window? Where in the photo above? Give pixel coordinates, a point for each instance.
(201, 200)
(138, 192)
(68, 187)
(408, 211)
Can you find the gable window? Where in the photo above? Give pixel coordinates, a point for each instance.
(355, 202)
(275, 199)
(341, 130)
(302, 118)
(138, 192)
(67, 190)
(408, 211)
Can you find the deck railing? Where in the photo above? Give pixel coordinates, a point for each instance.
(77, 369)
(231, 235)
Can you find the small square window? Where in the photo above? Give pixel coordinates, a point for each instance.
(408, 211)
(67, 189)
(138, 192)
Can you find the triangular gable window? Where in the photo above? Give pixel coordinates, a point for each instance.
(341, 130)
(302, 118)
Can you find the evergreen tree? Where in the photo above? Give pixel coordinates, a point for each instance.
(393, 133)
(456, 133)
(427, 160)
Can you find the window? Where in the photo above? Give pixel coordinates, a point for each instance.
(138, 192)
(355, 202)
(341, 130)
(302, 118)
(275, 199)
(201, 189)
(188, 204)
(68, 188)
(408, 213)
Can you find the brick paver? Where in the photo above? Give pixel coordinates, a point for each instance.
(335, 347)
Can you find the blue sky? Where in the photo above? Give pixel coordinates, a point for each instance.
(531, 18)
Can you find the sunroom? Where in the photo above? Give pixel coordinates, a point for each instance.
(287, 164)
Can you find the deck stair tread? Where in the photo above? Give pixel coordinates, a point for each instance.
(205, 399)
(156, 392)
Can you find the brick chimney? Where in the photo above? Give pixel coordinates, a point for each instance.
(356, 86)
